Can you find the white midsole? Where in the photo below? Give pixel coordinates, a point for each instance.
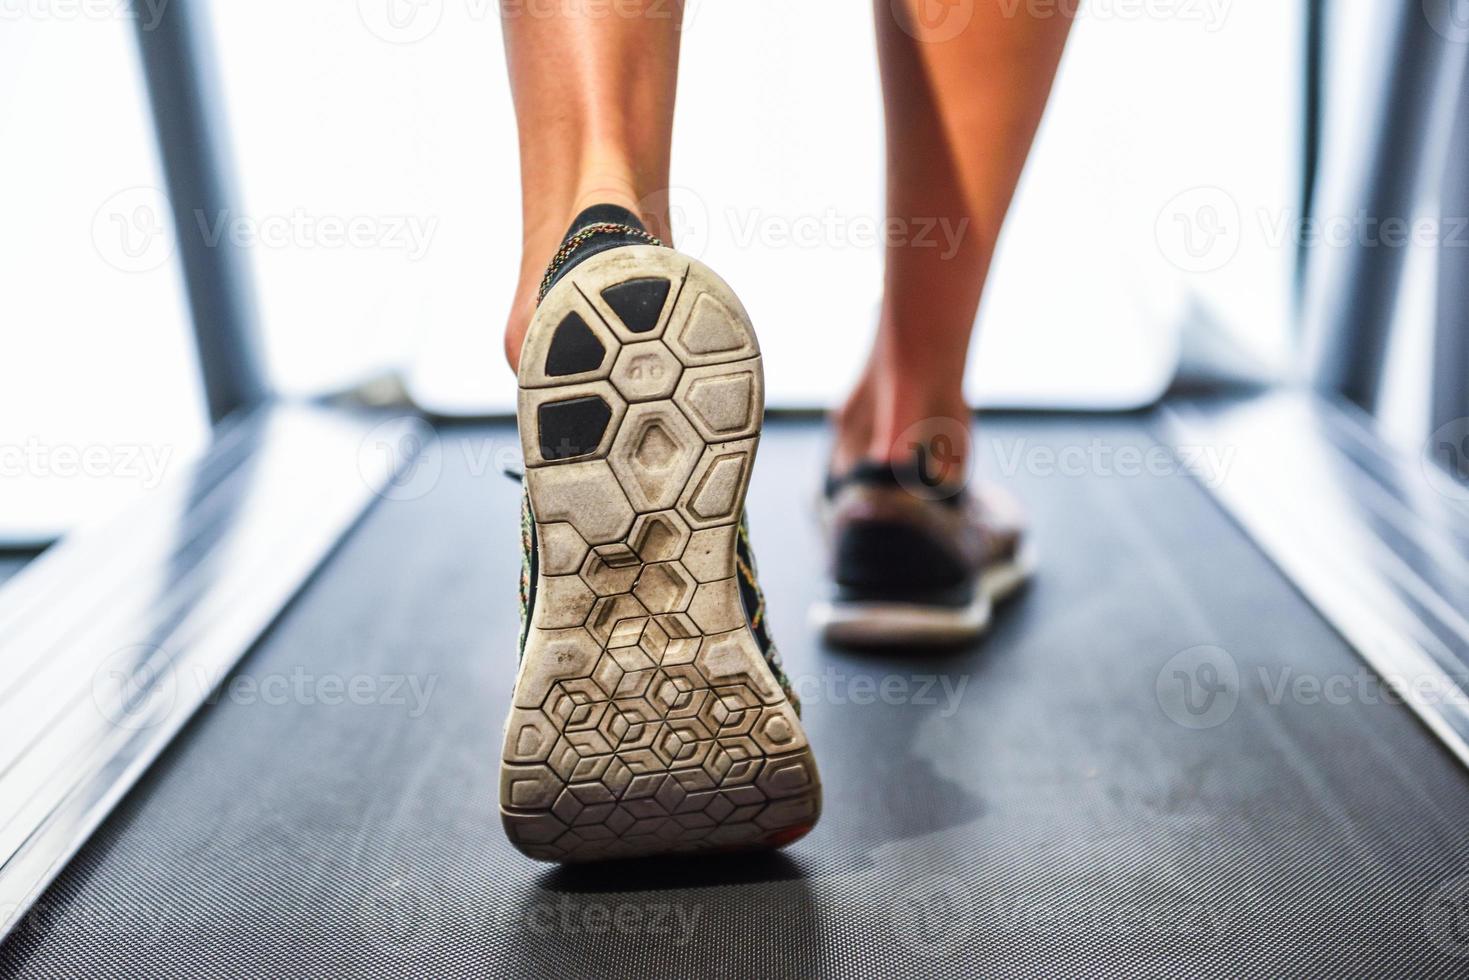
(906, 622)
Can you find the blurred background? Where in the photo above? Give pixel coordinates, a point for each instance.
(373, 151)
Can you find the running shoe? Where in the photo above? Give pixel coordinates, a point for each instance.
(651, 714)
(914, 564)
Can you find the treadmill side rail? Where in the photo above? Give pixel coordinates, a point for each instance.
(1374, 540)
(110, 641)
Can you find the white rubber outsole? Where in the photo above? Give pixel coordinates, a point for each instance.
(645, 719)
(900, 623)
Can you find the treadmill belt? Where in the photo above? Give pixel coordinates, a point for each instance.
(1025, 807)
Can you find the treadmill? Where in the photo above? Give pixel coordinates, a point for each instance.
(251, 728)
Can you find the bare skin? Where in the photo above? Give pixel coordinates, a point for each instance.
(594, 103)
(594, 110)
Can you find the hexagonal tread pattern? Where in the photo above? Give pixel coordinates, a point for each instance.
(646, 719)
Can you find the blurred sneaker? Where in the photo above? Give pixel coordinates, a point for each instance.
(912, 565)
(650, 712)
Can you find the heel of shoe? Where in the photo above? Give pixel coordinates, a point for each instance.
(646, 719)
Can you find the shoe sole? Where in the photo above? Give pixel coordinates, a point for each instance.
(646, 719)
(898, 623)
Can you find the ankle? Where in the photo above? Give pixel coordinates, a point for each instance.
(851, 429)
(902, 422)
(605, 176)
(886, 419)
(615, 189)
(542, 236)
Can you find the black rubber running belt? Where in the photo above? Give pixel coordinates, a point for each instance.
(1024, 808)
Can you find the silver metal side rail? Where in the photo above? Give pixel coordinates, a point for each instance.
(112, 639)
(1376, 540)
